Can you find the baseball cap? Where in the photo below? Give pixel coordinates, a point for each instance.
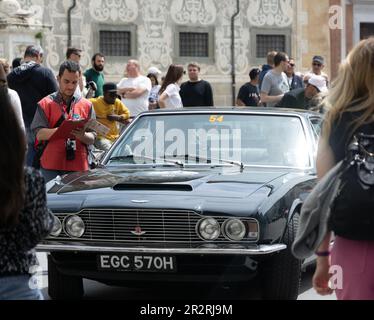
(110, 87)
(319, 59)
(319, 82)
(155, 71)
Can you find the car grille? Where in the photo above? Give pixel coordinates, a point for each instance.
(158, 226)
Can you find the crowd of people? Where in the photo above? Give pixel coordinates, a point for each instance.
(114, 105)
(34, 104)
(277, 84)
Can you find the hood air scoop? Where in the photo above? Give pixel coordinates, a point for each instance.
(152, 187)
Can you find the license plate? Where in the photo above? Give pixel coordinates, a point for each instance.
(136, 263)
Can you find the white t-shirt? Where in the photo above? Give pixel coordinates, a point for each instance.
(16, 103)
(174, 100)
(140, 104)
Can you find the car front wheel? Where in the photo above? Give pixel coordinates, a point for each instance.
(282, 273)
(61, 286)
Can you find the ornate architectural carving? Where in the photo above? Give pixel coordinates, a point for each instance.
(155, 35)
(105, 10)
(223, 39)
(193, 11)
(270, 13)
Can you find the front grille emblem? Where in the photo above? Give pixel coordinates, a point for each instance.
(138, 232)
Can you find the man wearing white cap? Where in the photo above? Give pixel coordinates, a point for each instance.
(305, 98)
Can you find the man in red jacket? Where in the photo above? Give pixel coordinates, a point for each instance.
(68, 154)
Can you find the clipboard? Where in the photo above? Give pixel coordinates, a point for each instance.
(64, 131)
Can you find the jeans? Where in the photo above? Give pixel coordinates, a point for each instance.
(18, 288)
(30, 147)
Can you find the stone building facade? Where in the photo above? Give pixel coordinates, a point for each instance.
(161, 32)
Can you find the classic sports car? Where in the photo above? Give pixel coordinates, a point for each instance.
(197, 195)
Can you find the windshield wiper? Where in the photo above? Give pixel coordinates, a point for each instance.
(131, 157)
(209, 160)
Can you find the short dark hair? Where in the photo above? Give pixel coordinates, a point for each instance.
(70, 66)
(194, 65)
(33, 51)
(97, 55)
(16, 62)
(71, 51)
(254, 73)
(279, 57)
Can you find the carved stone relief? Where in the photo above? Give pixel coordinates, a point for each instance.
(155, 34)
(55, 42)
(223, 38)
(270, 13)
(113, 10)
(186, 12)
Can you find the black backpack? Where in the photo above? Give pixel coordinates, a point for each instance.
(352, 211)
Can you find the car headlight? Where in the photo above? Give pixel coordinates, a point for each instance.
(234, 229)
(74, 226)
(57, 227)
(208, 229)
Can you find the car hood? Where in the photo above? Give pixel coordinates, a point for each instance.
(202, 190)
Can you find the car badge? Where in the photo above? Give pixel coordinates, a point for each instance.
(138, 231)
(139, 201)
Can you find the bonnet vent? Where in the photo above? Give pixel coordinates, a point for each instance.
(152, 187)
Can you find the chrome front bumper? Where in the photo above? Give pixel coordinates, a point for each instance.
(217, 250)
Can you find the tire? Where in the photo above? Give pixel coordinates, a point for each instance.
(282, 273)
(61, 286)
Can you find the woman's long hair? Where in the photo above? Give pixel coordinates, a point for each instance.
(174, 73)
(353, 89)
(12, 160)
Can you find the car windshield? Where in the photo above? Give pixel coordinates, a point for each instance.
(219, 139)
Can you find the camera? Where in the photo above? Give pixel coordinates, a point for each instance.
(91, 85)
(71, 147)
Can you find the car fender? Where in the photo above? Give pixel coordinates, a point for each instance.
(296, 205)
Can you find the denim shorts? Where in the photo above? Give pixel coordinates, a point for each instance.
(18, 288)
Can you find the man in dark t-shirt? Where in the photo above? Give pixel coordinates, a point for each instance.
(248, 94)
(196, 92)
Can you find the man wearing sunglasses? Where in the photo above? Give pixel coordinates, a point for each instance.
(109, 110)
(318, 65)
(74, 54)
(294, 81)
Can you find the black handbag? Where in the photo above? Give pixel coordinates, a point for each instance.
(352, 211)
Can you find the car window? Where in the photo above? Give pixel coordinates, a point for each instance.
(264, 140)
(316, 127)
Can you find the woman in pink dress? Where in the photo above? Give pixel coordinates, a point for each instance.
(350, 106)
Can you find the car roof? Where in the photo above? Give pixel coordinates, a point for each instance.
(251, 110)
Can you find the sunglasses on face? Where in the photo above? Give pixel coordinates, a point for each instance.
(317, 64)
(292, 64)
